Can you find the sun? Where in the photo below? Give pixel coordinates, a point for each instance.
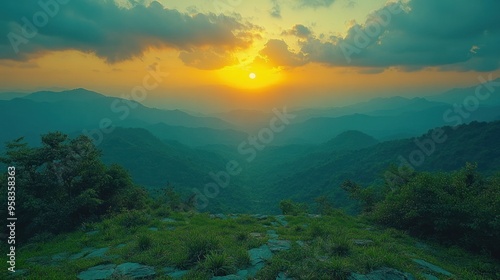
(252, 76)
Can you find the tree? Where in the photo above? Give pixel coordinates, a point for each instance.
(64, 183)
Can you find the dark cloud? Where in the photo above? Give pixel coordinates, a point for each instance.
(277, 53)
(298, 30)
(315, 3)
(448, 34)
(275, 11)
(115, 33)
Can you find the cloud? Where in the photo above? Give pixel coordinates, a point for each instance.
(315, 3)
(298, 30)
(115, 33)
(454, 35)
(277, 54)
(208, 59)
(275, 11)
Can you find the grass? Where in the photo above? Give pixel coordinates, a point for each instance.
(212, 247)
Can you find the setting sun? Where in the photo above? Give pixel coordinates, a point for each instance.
(252, 76)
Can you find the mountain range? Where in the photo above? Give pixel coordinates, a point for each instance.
(310, 157)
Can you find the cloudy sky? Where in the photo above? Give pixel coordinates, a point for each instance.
(302, 52)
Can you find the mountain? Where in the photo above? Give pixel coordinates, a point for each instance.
(389, 106)
(412, 123)
(490, 90)
(11, 95)
(196, 137)
(154, 164)
(319, 173)
(77, 95)
(81, 110)
(350, 140)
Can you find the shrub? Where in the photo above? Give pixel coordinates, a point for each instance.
(219, 264)
(288, 207)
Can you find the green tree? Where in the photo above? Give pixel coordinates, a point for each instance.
(63, 183)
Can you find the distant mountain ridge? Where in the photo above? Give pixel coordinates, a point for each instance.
(350, 140)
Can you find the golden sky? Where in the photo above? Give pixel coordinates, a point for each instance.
(301, 52)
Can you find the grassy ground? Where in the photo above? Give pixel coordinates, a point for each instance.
(206, 246)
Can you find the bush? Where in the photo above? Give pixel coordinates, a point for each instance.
(458, 208)
(288, 207)
(198, 247)
(218, 264)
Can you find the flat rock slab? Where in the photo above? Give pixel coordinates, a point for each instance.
(168, 220)
(281, 219)
(60, 257)
(282, 276)
(99, 272)
(382, 274)
(85, 251)
(276, 245)
(260, 217)
(97, 253)
(135, 271)
(218, 216)
(260, 255)
(432, 267)
(228, 277)
(272, 234)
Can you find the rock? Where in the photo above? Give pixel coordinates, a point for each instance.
(272, 234)
(97, 272)
(97, 253)
(382, 274)
(135, 271)
(260, 255)
(300, 243)
(243, 273)
(276, 245)
(60, 257)
(429, 277)
(256, 235)
(281, 220)
(178, 274)
(119, 246)
(81, 254)
(228, 277)
(362, 242)
(431, 267)
(260, 217)
(218, 216)
(282, 276)
(153, 229)
(168, 220)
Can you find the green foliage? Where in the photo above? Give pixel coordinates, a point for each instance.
(219, 264)
(460, 208)
(144, 243)
(63, 183)
(288, 207)
(198, 248)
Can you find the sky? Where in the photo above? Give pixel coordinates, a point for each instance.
(220, 55)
